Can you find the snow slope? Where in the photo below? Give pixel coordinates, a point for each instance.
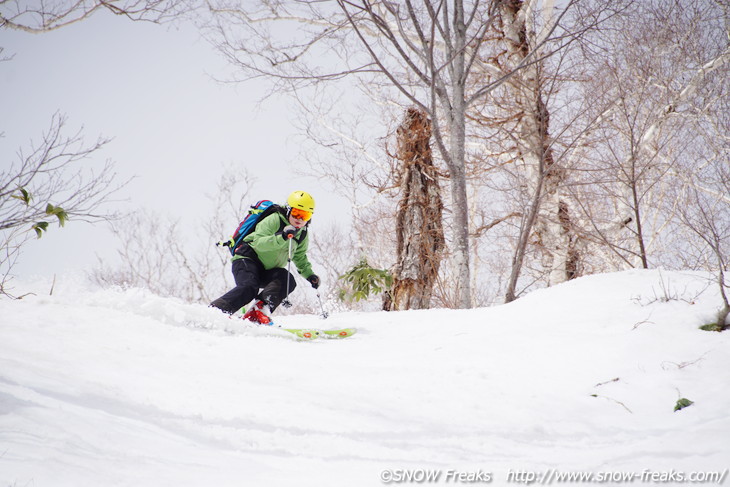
(124, 388)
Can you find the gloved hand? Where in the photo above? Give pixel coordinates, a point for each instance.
(288, 232)
(314, 280)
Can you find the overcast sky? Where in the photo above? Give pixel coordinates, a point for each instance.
(149, 87)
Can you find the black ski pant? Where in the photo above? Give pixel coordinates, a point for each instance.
(253, 281)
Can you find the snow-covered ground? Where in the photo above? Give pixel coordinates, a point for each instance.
(112, 388)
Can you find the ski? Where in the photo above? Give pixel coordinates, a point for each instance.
(312, 333)
(306, 333)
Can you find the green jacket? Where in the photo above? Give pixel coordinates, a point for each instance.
(273, 251)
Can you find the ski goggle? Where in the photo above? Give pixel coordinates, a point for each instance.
(300, 214)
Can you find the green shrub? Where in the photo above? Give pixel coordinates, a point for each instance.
(362, 280)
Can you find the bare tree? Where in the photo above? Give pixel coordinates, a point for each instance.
(649, 80)
(705, 211)
(707, 214)
(703, 188)
(533, 148)
(33, 16)
(527, 132)
(159, 253)
(50, 182)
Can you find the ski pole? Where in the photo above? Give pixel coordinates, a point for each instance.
(324, 313)
(286, 303)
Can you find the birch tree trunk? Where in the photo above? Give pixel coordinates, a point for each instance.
(456, 160)
(548, 218)
(419, 228)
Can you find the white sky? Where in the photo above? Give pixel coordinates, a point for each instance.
(150, 88)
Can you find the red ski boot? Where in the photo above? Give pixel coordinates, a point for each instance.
(259, 314)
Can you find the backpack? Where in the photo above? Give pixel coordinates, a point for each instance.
(258, 212)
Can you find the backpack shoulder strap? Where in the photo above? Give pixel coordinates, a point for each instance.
(303, 235)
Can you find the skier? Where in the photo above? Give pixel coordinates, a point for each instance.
(259, 264)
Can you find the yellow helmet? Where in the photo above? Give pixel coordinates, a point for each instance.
(301, 200)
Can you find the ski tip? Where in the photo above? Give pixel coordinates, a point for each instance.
(341, 333)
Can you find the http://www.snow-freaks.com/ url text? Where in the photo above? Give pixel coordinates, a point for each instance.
(550, 476)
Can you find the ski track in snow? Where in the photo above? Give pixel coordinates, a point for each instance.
(111, 387)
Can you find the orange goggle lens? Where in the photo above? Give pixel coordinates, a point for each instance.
(301, 214)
